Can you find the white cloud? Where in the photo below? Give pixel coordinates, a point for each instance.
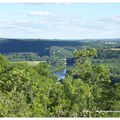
(112, 19)
(22, 21)
(40, 13)
(60, 1)
(60, 27)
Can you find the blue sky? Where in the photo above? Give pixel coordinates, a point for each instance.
(60, 21)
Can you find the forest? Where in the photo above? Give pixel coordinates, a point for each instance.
(91, 87)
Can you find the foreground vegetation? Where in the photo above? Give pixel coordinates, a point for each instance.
(31, 91)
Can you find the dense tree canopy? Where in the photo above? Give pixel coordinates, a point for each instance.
(32, 91)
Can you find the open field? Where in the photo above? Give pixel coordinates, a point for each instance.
(115, 49)
(32, 63)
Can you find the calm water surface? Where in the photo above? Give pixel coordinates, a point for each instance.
(60, 74)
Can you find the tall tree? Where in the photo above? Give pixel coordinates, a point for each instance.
(96, 78)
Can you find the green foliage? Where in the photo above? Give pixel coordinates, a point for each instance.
(4, 63)
(32, 91)
(43, 69)
(84, 53)
(96, 77)
(14, 105)
(60, 52)
(23, 57)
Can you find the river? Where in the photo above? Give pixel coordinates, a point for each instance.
(60, 74)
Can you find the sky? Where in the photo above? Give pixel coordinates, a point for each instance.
(60, 21)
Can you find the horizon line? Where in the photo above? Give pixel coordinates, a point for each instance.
(60, 38)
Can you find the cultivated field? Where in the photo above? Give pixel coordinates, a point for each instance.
(32, 63)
